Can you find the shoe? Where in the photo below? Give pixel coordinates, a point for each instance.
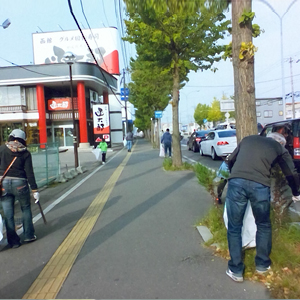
(103, 163)
(218, 200)
(30, 240)
(261, 270)
(233, 276)
(15, 246)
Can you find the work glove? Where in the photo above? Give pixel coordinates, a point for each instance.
(36, 196)
(296, 198)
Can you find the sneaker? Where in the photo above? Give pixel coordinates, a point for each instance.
(15, 246)
(103, 163)
(218, 200)
(261, 270)
(30, 240)
(233, 276)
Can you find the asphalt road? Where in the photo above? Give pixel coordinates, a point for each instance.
(196, 157)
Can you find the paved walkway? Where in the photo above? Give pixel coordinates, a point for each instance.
(121, 230)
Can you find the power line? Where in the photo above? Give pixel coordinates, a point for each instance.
(82, 9)
(104, 13)
(74, 17)
(22, 67)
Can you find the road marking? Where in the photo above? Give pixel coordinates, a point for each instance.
(50, 280)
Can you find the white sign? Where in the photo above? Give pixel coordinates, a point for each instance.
(101, 119)
(50, 47)
(227, 105)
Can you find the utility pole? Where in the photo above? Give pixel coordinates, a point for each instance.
(125, 99)
(292, 86)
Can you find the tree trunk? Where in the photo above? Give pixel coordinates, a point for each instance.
(152, 132)
(243, 70)
(177, 159)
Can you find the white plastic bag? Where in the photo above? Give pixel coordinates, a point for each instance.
(162, 151)
(249, 227)
(125, 142)
(97, 153)
(1, 228)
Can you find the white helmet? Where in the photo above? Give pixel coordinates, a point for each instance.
(18, 133)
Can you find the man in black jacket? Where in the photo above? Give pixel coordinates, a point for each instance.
(250, 179)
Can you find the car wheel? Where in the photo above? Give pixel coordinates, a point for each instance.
(200, 150)
(213, 154)
(195, 149)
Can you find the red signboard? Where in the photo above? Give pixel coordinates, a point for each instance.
(62, 104)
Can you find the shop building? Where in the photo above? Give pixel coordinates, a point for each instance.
(37, 99)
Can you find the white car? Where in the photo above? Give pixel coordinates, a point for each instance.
(219, 143)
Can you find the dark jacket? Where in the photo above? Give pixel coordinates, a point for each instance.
(166, 138)
(129, 136)
(21, 168)
(255, 156)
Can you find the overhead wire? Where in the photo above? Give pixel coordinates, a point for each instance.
(75, 19)
(22, 67)
(82, 10)
(104, 13)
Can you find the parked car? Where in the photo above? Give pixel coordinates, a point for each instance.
(225, 126)
(219, 143)
(292, 136)
(195, 139)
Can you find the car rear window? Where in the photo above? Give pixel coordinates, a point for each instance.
(201, 133)
(223, 134)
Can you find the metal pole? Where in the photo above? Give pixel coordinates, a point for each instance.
(73, 117)
(282, 70)
(281, 42)
(125, 99)
(292, 86)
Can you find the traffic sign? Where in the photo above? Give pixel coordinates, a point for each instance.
(158, 114)
(124, 92)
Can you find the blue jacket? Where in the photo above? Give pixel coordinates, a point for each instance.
(166, 138)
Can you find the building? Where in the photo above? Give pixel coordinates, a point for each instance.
(269, 110)
(37, 98)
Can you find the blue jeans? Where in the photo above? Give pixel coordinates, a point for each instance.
(129, 145)
(16, 189)
(168, 146)
(239, 192)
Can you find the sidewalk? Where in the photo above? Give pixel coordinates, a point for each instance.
(144, 245)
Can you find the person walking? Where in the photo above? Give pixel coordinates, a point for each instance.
(166, 139)
(250, 179)
(15, 186)
(129, 139)
(103, 147)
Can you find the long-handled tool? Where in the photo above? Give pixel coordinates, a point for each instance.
(41, 210)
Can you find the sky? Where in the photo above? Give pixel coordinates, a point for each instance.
(33, 16)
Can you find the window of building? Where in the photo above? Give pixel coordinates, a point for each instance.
(257, 103)
(280, 113)
(30, 94)
(258, 114)
(270, 102)
(268, 113)
(280, 102)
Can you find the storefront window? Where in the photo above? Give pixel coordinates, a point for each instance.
(6, 129)
(32, 133)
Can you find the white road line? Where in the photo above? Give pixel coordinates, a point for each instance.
(62, 197)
